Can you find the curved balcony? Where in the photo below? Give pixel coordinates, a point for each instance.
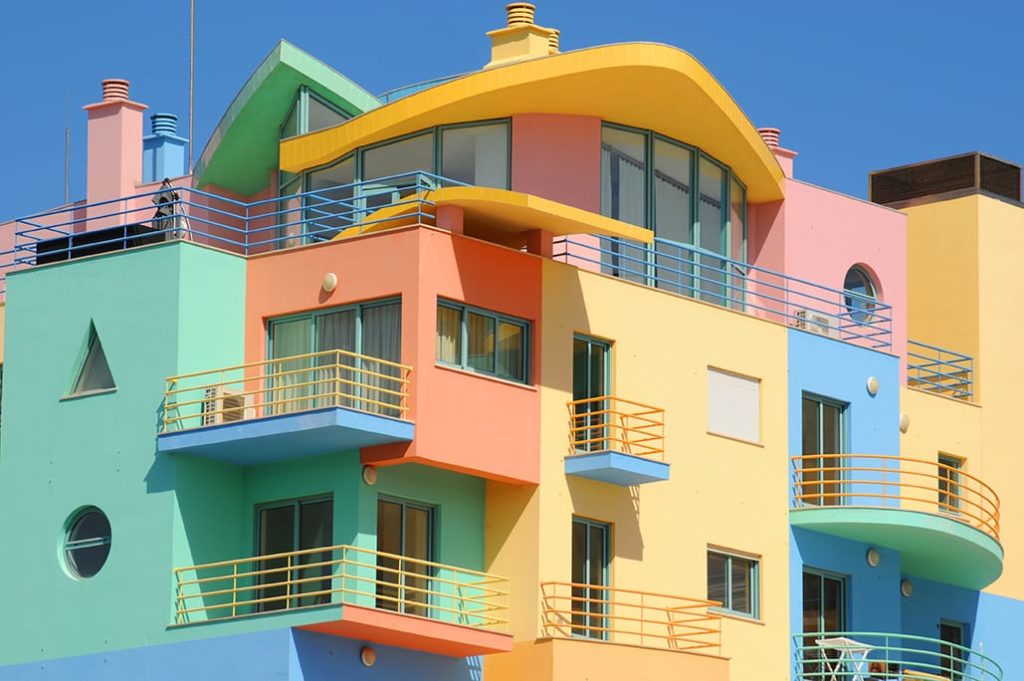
(617, 441)
(861, 656)
(354, 593)
(942, 520)
(287, 408)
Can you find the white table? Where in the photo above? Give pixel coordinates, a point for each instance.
(854, 652)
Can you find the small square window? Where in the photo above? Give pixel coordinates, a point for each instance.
(482, 342)
(733, 581)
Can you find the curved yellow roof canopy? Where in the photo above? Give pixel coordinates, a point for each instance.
(639, 84)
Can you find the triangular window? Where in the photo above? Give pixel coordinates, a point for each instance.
(95, 372)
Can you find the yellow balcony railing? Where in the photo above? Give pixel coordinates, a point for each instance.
(614, 424)
(333, 378)
(631, 617)
(340, 575)
(882, 481)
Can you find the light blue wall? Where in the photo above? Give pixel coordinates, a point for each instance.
(277, 655)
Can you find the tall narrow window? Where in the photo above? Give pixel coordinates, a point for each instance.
(673, 216)
(624, 197)
(94, 373)
(481, 341)
(405, 539)
(591, 379)
(823, 426)
(949, 470)
(733, 581)
(590, 556)
(824, 613)
(711, 213)
(285, 528)
(952, 652)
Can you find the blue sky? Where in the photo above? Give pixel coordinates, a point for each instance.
(855, 86)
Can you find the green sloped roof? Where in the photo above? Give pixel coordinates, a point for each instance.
(243, 147)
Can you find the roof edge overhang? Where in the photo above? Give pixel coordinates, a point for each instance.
(645, 85)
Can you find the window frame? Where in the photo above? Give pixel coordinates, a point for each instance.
(950, 482)
(844, 409)
(300, 105)
(606, 577)
(320, 312)
(69, 545)
(755, 583)
(498, 318)
(759, 440)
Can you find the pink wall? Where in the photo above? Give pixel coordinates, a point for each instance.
(826, 233)
(558, 157)
(464, 422)
(114, 148)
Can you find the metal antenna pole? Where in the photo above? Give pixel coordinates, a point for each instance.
(191, 79)
(67, 166)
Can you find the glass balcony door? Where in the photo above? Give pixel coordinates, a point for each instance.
(951, 651)
(286, 527)
(404, 529)
(824, 441)
(591, 378)
(824, 611)
(590, 556)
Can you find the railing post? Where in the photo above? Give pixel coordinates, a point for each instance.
(288, 584)
(234, 590)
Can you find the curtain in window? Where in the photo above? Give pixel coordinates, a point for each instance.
(510, 351)
(381, 339)
(624, 197)
(481, 342)
(338, 379)
(287, 392)
(449, 335)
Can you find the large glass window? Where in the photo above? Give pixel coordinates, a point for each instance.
(288, 526)
(309, 113)
(733, 582)
(329, 206)
(476, 154)
(481, 341)
(404, 529)
(590, 556)
(363, 375)
(824, 442)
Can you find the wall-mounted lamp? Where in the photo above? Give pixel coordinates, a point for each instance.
(904, 423)
(907, 588)
(368, 656)
(874, 558)
(330, 282)
(370, 475)
(872, 386)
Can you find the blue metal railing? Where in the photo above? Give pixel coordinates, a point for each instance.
(940, 370)
(860, 656)
(411, 89)
(713, 278)
(243, 227)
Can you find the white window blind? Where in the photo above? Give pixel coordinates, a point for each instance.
(734, 405)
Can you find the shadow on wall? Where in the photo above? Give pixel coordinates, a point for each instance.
(320, 657)
(619, 506)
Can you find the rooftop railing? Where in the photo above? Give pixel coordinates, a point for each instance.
(614, 424)
(600, 613)
(713, 278)
(333, 378)
(939, 370)
(860, 656)
(247, 228)
(878, 481)
(340, 575)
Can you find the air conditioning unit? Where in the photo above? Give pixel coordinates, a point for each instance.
(222, 405)
(816, 322)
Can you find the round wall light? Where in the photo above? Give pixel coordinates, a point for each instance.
(874, 557)
(370, 475)
(904, 423)
(368, 656)
(907, 588)
(872, 386)
(330, 282)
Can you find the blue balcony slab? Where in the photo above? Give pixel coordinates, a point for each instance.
(287, 436)
(616, 468)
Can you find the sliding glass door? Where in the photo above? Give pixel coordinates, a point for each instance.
(405, 537)
(824, 441)
(284, 528)
(590, 554)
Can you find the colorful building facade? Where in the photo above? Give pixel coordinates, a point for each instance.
(552, 370)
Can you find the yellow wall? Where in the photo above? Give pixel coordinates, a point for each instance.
(721, 492)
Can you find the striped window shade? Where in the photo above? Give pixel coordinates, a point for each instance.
(734, 405)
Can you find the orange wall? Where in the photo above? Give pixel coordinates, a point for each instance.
(465, 422)
(559, 158)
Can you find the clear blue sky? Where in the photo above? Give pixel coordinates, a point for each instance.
(855, 86)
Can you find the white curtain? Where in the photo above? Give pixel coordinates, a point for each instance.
(382, 339)
(289, 339)
(336, 331)
(449, 335)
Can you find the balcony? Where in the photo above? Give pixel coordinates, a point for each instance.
(942, 520)
(287, 408)
(940, 371)
(712, 278)
(354, 593)
(861, 656)
(616, 441)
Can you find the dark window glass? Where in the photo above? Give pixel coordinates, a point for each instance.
(88, 543)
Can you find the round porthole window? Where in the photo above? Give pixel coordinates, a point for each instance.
(87, 542)
(860, 294)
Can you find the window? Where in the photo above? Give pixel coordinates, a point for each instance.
(824, 612)
(951, 651)
(590, 556)
(476, 154)
(87, 542)
(328, 204)
(404, 528)
(860, 294)
(734, 405)
(94, 374)
(824, 437)
(733, 582)
(949, 470)
(363, 375)
(309, 113)
(289, 526)
(591, 378)
(695, 205)
(482, 342)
